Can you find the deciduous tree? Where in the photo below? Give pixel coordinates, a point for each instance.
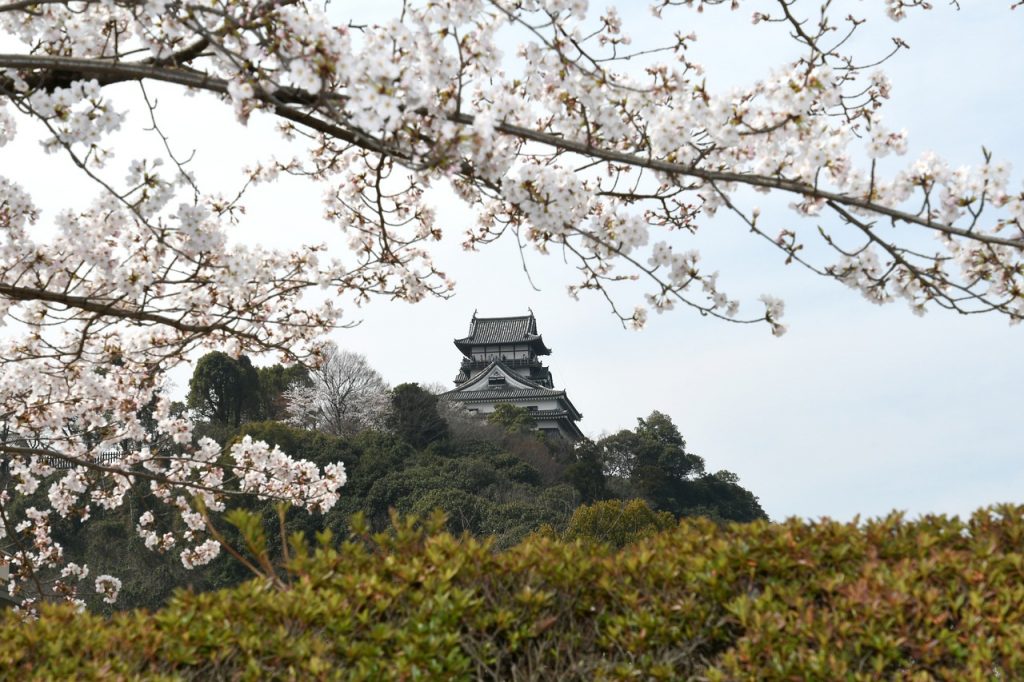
(344, 394)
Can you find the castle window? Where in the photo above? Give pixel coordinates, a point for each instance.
(496, 380)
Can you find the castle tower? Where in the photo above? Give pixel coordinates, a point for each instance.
(501, 364)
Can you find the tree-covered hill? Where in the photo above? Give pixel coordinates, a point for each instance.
(495, 478)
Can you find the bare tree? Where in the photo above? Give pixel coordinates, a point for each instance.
(345, 395)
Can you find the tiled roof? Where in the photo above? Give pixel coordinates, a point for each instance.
(499, 330)
(563, 417)
(502, 394)
(550, 414)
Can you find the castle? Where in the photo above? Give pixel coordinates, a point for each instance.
(501, 364)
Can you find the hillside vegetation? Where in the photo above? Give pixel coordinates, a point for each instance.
(931, 599)
(496, 478)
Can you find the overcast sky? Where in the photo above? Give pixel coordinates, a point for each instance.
(859, 409)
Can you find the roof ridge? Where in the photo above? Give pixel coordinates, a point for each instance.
(503, 317)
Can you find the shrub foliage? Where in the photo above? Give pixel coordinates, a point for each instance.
(936, 598)
(616, 523)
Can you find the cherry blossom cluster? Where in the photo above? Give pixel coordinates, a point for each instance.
(268, 472)
(610, 153)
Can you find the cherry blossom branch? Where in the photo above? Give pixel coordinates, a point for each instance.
(110, 73)
(118, 471)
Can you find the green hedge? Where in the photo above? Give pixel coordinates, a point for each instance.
(936, 598)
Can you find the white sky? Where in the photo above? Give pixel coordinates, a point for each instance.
(858, 409)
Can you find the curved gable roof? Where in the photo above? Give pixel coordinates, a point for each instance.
(484, 374)
(476, 389)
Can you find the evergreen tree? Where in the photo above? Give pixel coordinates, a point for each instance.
(651, 462)
(224, 390)
(414, 416)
